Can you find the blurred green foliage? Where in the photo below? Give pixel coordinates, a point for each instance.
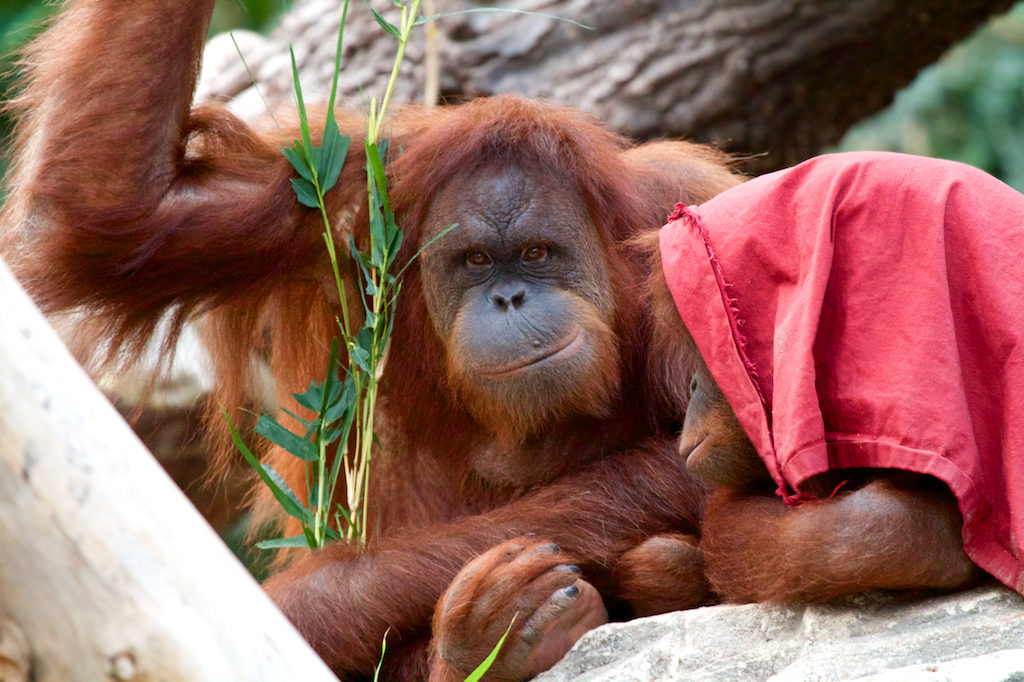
(967, 107)
(19, 21)
(255, 15)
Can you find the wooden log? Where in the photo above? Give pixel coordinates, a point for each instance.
(775, 77)
(106, 571)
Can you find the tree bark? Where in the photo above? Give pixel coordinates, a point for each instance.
(782, 78)
(106, 571)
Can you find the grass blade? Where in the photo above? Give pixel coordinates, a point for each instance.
(294, 541)
(384, 24)
(279, 435)
(282, 493)
(482, 669)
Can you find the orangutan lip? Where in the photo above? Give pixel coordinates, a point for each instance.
(572, 344)
(686, 450)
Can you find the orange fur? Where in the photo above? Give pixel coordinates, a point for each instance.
(876, 529)
(130, 206)
(880, 536)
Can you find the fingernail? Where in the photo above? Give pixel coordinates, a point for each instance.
(567, 568)
(570, 591)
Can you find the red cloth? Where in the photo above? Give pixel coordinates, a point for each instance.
(867, 310)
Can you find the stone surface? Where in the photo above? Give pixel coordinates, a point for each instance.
(973, 636)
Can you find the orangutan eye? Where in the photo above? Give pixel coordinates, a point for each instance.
(536, 254)
(477, 259)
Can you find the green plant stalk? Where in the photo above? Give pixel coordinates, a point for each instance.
(319, 168)
(320, 522)
(408, 21)
(364, 435)
(352, 478)
(328, 235)
(322, 509)
(352, 402)
(384, 290)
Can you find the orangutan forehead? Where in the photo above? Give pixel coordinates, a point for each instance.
(509, 202)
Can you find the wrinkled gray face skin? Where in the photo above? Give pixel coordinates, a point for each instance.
(519, 293)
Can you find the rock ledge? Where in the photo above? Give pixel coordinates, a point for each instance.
(973, 636)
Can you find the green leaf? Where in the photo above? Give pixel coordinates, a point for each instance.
(385, 336)
(277, 434)
(282, 493)
(342, 427)
(361, 258)
(364, 339)
(328, 392)
(288, 500)
(377, 239)
(297, 418)
(390, 28)
(305, 192)
(491, 657)
(394, 234)
(279, 543)
(332, 433)
(383, 648)
(340, 407)
(314, 157)
(307, 144)
(394, 241)
(310, 538)
(333, 152)
(362, 349)
(297, 156)
(312, 398)
(361, 357)
(377, 175)
(310, 425)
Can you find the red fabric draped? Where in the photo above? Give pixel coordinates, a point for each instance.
(867, 310)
